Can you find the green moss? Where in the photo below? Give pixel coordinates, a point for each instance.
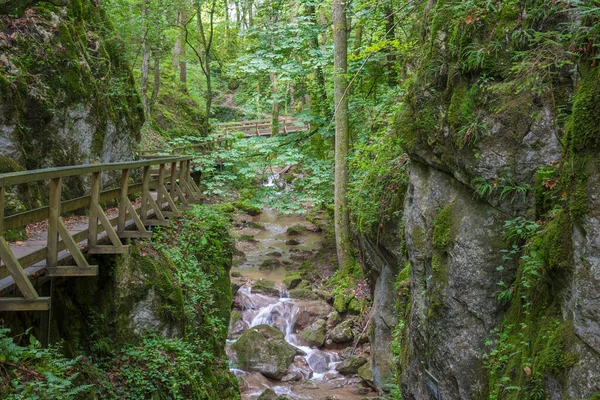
(462, 105)
(442, 228)
(303, 293)
(339, 303)
(292, 280)
(247, 208)
(355, 306)
(583, 129)
(419, 238)
(553, 355)
(225, 207)
(7, 165)
(555, 242)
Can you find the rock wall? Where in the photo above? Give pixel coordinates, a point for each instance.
(500, 218)
(67, 95)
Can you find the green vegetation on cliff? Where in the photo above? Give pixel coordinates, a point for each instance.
(153, 324)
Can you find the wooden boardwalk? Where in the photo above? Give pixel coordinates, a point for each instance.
(263, 127)
(59, 249)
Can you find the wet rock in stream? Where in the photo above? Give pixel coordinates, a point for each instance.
(264, 349)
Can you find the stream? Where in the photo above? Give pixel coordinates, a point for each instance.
(312, 374)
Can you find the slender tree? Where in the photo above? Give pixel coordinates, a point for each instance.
(342, 137)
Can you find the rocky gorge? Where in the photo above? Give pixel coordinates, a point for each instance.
(284, 336)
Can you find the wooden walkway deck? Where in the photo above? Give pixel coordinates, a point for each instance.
(59, 249)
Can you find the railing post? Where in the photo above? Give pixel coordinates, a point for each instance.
(53, 216)
(173, 189)
(145, 193)
(161, 185)
(123, 200)
(94, 202)
(182, 180)
(2, 195)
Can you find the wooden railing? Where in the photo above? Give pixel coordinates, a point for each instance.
(160, 190)
(250, 128)
(263, 127)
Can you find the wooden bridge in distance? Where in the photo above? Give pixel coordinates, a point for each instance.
(166, 186)
(264, 127)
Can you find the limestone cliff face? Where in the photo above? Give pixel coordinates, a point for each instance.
(495, 311)
(67, 95)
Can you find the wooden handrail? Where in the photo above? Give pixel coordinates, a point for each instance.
(17, 178)
(179, 187)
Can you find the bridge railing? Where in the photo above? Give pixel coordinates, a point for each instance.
(161, 188)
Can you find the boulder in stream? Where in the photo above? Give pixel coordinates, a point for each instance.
(366, 374)
(299, 370)
(351, 365)
(314, 334)
(268, 394)
(309, 312)
(342, 333)
(263, 349)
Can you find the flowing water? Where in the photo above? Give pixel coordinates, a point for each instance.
(312, 375)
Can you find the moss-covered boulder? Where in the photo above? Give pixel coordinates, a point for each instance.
(314, 334)
(264, 349)
(292, 280)
(247, 208)
(342, 333)
(351, 365)
(265, 286)
(366, 374)
(303, 293)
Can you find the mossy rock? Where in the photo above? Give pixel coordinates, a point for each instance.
(303, 293)
(8, 165)
(247, 238)
(256, 225)
(225, 207)
(268, 394)
(263, 349)
(366, 374)
(247, 208)
(235, 317)
(292, 280)
(351, 365)
(314, 334)
(355, 306)
(269, 265)
(442, 228)
(583, 128)
(339, 303)
(296, 230)
(265, 286)
(343, 332)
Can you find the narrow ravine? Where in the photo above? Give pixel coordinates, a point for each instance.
(267, 258)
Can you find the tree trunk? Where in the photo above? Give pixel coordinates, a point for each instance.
(275, 110)
(156, 87)
(342, 137)
(145, 73)
(179, 51)
(390, 34)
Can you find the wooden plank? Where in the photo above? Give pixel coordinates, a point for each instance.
(145, 193)
(123, 249)
(124, 200)
(16, 178)
(93, 218)
(135, 235)
(167, 196)
(110, 231)
(70, 244)
(53, 222)
(160, 218)
(23, 304)
(91, 270)
(2, 197)
(11, 262)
